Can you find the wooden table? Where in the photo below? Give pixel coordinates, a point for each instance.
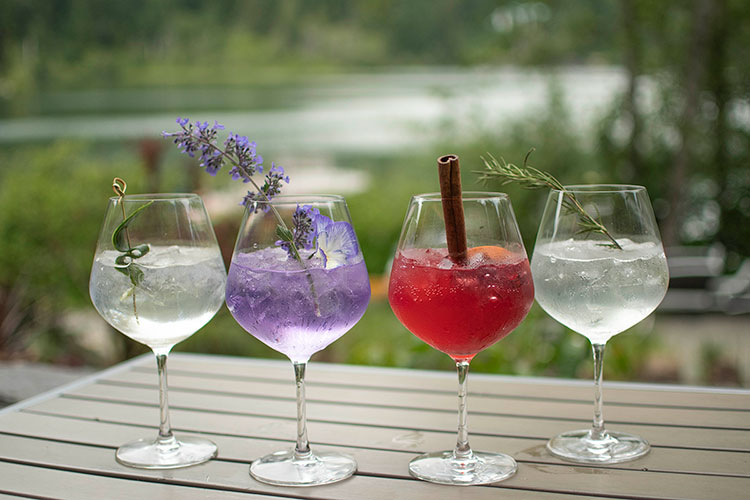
(61, 444)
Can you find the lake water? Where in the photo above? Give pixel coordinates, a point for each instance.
(362, 113)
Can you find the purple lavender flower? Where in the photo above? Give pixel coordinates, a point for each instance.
(270, 188)
(201, 138)
(248, 161)
(304, 233)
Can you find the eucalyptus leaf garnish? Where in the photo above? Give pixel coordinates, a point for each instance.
(124, 263)
(120, 238)
(533, 178)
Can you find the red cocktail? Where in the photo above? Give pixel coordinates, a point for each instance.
(460, 281)
(460, 309)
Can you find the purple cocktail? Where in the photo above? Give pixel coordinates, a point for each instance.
(298, 282)
(271, 297)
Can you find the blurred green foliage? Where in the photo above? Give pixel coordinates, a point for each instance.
(675, 105)
(97, 43)
(51, 202)
(46, 226)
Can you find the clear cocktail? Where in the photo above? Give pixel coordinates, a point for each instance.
(599, 283)
(158, 277)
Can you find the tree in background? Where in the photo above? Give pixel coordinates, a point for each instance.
(682, 127)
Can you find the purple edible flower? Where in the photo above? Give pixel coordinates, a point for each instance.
(336, 242)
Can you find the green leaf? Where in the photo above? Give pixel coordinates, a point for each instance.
(284, 233)
(139, 251)
(119, 239)
(124, 264)
(136, 274)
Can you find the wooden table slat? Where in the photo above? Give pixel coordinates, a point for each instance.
(368, 376)
(228, 475)
(478, 403)
(222, 475)
(399, 419)
(245, 447)
(49, 483)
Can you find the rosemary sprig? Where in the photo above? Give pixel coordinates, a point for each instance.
(533, 178)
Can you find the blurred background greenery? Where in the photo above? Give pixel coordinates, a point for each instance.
(360, 98)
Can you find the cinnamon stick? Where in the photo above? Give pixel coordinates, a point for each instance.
(449, 171)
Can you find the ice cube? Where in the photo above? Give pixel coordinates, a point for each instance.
(329, 303)
(476, 259)
(445, 264)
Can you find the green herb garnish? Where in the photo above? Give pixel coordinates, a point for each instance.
(124, 262)
(533, 178)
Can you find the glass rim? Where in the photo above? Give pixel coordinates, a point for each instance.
(602, 188)
(284, 199)
(155, 197)
(465, 196)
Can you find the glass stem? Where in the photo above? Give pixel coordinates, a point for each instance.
(302, 448)
(597, 429)
(463, 450)
(166, 438)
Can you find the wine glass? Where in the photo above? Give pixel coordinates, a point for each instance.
(297, 282)
(461, 308)
(584, 281)
(157, 277)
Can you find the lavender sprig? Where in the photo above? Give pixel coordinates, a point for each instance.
(242, 154)
(238, 150)
(201, 138)
(270, 188)
(303, 233)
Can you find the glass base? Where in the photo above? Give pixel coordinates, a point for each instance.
(171, 454)
(284, 469)
(443, 467)
(614, 447)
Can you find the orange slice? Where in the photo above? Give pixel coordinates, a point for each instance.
(490, 252)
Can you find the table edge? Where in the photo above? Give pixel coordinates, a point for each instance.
(85, 380)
